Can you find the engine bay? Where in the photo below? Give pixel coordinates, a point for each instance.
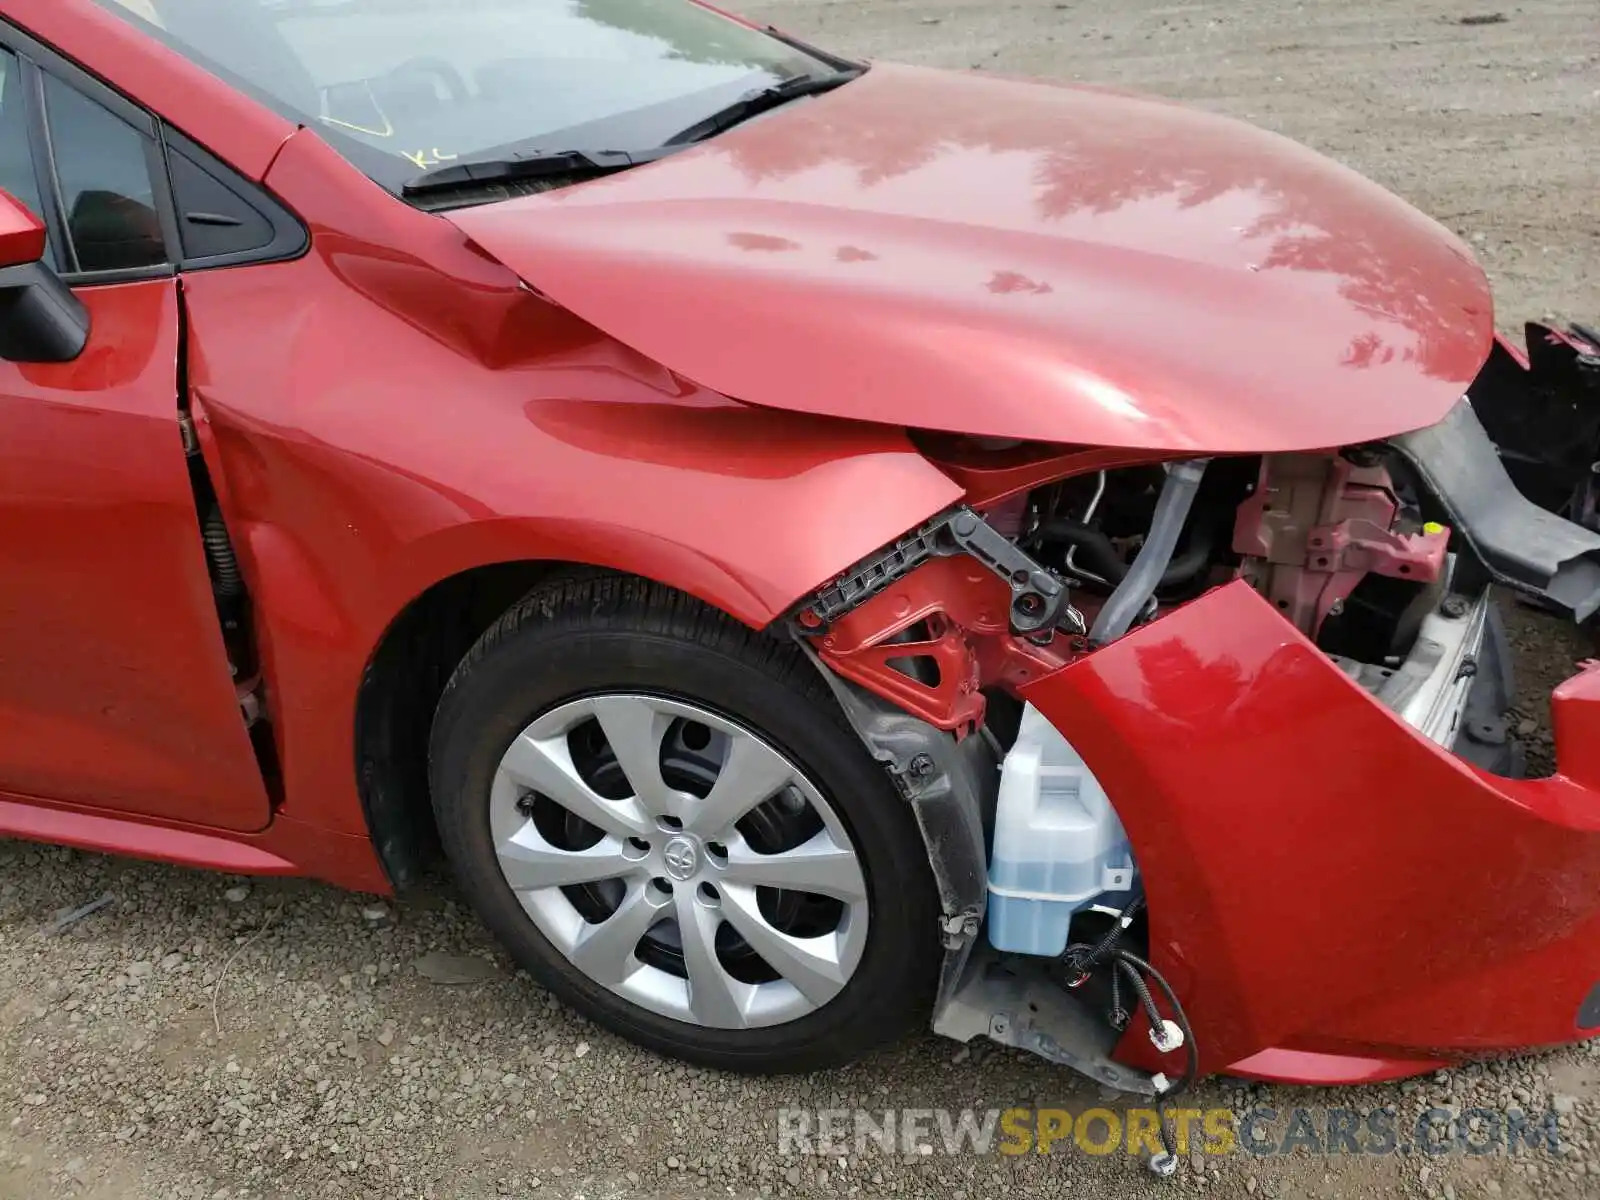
(1350, 547)
(1340, 544)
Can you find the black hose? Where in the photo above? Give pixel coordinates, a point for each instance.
(1095, 549)
(219, 551)
(1130, 597)
(1105, 562)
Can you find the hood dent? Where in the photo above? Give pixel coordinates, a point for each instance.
(1020, 260)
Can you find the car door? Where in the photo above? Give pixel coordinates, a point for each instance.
(116, 689)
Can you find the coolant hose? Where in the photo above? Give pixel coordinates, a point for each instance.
(1134, 592)
(1102, 557)
(1095, 548)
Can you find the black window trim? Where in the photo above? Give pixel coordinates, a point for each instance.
(44, 171)
(37, 59)
(289, 237)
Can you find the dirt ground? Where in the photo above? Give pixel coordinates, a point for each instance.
(205, 1037)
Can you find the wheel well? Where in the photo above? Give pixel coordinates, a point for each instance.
(400, 691)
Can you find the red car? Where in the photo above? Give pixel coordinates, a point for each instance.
(818, 544)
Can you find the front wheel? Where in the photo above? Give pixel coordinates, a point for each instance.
(666, 820)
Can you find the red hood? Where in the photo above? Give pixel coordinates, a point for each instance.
(983, 256)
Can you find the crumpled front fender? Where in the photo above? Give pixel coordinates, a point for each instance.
(481, 425)
(1320, 877)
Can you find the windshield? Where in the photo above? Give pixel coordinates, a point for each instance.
(403, 86)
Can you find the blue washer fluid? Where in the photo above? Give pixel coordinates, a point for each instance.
(1058, 844)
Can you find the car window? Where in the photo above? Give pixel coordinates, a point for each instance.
(102, 171)
(104, 177)
(16, 155)
(400, 86)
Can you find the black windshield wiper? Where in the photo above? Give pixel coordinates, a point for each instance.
(754, 103)
(553, 164)
(532, 164)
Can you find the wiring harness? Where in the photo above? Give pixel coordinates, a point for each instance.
(1082, 960)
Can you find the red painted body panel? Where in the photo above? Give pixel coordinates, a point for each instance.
(22, 235)
(947, 252)
(512, 432)
(962, 609)
(1329, 1070)
(981, 256)
(36, 820)
(114, 685)
(1254, 778)
(287, 847)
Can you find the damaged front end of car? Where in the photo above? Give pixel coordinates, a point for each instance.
(1212, 758)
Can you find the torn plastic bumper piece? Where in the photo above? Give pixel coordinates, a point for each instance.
(1323, 879)
(1522, 545)
(1542, 410)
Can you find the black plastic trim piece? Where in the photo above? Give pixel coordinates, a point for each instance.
(1039, 599)
(550, 164)
(1542, 412)
(130, 275)
(289, 241)
(44, 168)
(41, 321)
(155, 162)
(1522, 545)
(952, 788)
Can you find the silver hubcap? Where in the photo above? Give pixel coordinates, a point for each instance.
(680, 861)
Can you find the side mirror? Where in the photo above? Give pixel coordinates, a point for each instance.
(40, 319)
(21, 234)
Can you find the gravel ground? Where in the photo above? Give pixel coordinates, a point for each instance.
(210, 1037)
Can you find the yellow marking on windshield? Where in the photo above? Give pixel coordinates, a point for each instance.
(423, 159)
(386, 131)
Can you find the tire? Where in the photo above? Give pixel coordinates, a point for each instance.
(612, 644)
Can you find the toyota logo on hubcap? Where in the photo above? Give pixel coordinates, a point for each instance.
(682, 857)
